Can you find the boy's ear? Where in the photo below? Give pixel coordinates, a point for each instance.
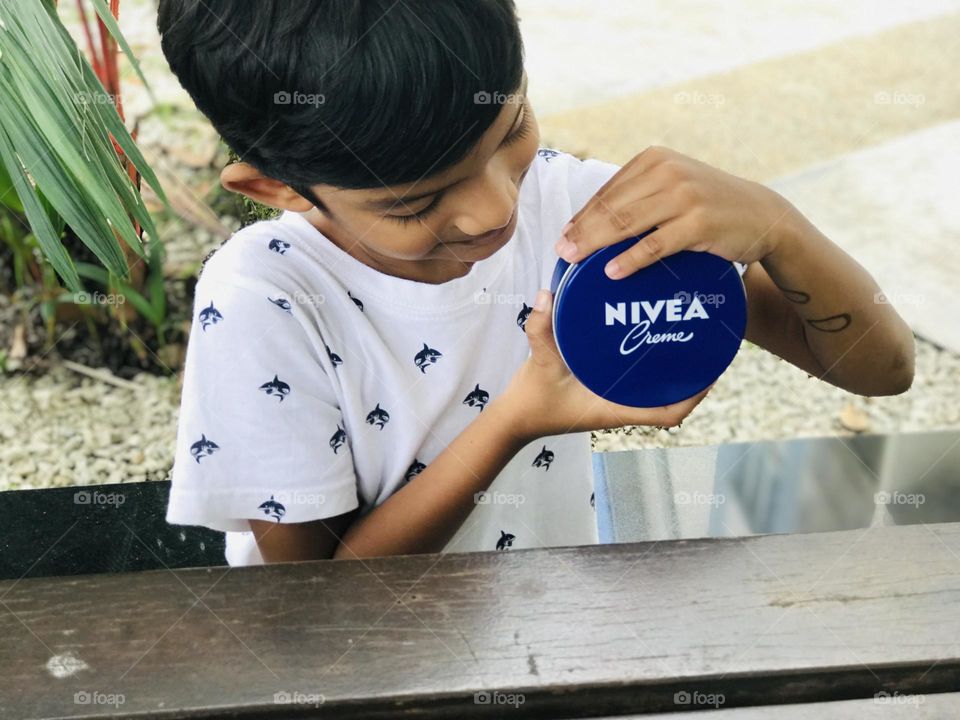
(243, 178)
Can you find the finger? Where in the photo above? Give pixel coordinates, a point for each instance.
(637, 167)
(632, 210)
(662, 417)
(539, 328)
(607, 199)
(666, 240)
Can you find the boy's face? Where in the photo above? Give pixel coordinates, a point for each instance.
(432, 230)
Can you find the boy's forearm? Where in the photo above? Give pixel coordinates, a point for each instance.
(860, 341)
(426, 513)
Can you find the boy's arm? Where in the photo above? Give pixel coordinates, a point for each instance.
(816, 307)
(426, 513)
(313, 540)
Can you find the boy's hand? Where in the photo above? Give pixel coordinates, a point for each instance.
(546, 399)
(695, 206)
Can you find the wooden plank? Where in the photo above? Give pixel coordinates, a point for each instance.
(575, 632)
(938, 706)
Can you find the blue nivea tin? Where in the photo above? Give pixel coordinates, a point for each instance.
(656, 337)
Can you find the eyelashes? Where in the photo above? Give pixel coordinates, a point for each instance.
(521, 133)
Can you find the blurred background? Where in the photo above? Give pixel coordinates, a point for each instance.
(850, 110)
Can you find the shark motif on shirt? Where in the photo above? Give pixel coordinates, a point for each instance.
(506, 541)
(276, 387)
(209, 316)
(427, 356)
(523, 316)
(338, 438)
(203, 448)
(279, 246)
(416, 467)
(593, 502)
(272, 508)
(281, 303)
(334, 358)
(477, 398)
(356, 301)
(547, 154)
(378, 416)
(543, 459)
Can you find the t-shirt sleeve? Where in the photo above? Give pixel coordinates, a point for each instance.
(586, 177)
(260, 433)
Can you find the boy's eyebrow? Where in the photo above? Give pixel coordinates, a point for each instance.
(391, 202)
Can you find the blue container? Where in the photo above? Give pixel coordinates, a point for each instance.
(655, 338)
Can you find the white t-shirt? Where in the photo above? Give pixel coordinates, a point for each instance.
(314, 384)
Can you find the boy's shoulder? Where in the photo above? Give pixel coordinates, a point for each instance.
(252, 257)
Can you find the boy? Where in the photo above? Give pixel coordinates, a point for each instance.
(364, 368)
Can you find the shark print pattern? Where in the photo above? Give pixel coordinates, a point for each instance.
(593, 502)
(334, 358)
(543, 459)
(477, 398)
(426, 357)
(378, 416)
(547, 154)
(338, 439)
(276, 387)
(416, 467)
(282, 303)
(209, 316)
(272, 508)
(355, 383)
(524, 316)
(203, 448)
(279, 246)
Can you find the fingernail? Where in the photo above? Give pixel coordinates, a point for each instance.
(613, 269)
(540, 304)
(566, 249)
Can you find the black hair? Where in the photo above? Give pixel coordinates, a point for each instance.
(349, 93)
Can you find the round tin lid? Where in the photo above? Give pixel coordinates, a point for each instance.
(656, 337)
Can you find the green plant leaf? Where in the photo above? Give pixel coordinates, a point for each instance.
(59, 122)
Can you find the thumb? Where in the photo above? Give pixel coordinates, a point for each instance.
(539, 327)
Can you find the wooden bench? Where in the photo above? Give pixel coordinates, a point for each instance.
(588, 632)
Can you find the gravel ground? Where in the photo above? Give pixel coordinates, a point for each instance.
(62, 428)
